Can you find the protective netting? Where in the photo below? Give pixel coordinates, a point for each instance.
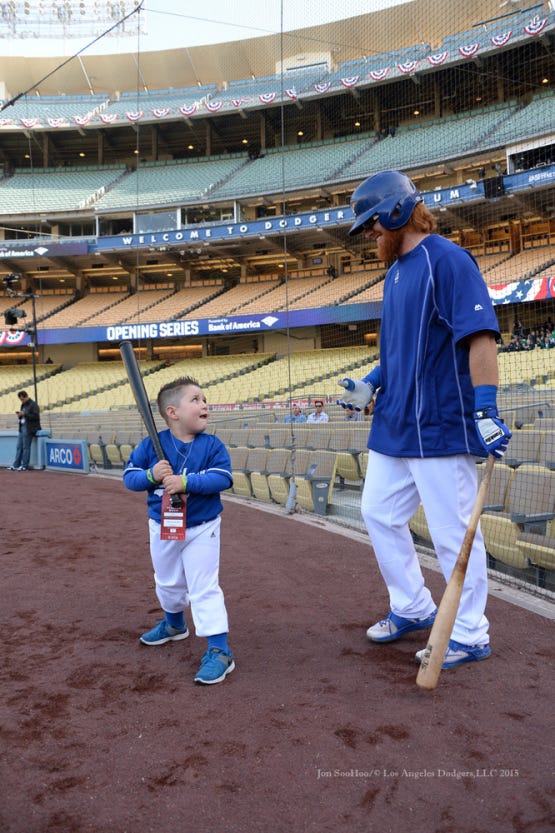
(221, 207)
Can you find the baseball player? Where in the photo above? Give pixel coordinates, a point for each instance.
(198, 468)
(435, 411)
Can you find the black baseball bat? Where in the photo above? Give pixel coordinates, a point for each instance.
(143, 404)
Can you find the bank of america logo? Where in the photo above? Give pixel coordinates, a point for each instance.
(41, 250)
(269, 320)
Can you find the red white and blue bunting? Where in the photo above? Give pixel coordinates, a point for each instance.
(438, 59)
(469, 51)
(188, 109)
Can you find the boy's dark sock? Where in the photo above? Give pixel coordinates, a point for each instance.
(175, 620)
(219, 640)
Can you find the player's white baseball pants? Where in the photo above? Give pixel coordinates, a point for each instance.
(447, 488)
(187, 572)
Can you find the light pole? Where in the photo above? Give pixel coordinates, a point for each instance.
(12, 316)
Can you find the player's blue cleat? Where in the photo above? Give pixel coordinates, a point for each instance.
(214, 667)
(164, 633)
(457, 654)
(393, 627)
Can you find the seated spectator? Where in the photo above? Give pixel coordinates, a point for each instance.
(514, 345)
(529, 343)
(353, 416)
(519, 330)
(296, 414)
(318, 415)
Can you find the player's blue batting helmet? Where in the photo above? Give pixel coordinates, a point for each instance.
(389, 197)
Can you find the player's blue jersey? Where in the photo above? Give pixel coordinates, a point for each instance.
(434, 297)
(206, 463)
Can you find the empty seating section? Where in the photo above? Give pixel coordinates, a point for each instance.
(526, 367)
(14, 378)
(288, 374)
(423, 144)
(6, 303)
(179, 303)
(341, 290)
(368, 294)
(293, 168)
(54, 189)
(233, 301)
(285, 294)
(130, 308)
(87, 397)
(164, 183)
(175, 181)
(45, 305)
(537, 119)
(78, 313)
(159, 101)
(520, 266)
(48, 108)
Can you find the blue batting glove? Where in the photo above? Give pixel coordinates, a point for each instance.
(492, 431)
(357, 394)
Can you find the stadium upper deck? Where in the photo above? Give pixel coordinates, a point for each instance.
(176, 197)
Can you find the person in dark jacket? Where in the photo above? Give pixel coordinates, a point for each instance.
(29, 423)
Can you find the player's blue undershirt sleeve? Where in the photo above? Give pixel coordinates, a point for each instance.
(374, 378)
(209, 482)
(136, 473)
(136, 479)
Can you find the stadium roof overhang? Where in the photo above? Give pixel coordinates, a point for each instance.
(408, 24)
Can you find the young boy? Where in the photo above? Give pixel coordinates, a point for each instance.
(197, 467)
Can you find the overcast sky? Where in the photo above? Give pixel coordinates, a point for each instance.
(182, 23)
(179, 22)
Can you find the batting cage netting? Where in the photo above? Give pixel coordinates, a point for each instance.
(195, 199)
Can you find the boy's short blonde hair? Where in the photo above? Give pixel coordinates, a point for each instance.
(171, 393)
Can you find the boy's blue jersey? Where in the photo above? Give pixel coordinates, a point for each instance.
(434, 297)
(206, 463)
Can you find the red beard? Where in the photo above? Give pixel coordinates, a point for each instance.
(389, 244)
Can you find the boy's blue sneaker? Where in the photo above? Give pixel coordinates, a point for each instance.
(393, 626)
(164, 633)
(214, 667)
(457, 654)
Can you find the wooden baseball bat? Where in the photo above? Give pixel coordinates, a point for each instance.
(143, 404)
(434, 654)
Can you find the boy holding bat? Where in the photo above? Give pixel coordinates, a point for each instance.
(435, 411)
(185, 539)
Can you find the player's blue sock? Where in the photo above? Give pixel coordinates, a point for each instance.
(175, 620)
(219, 640)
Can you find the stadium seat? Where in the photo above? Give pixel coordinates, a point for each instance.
(97, 455)
(257, 438)
(238, 437)
(315, 488)
(547, 450)
(277, 462)
(496, 496)
(115, 459)
(529, 507)
(350, 443)
(320, 437)
(524, 447)
(539, 551)
(278, 482)
(238, 457)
